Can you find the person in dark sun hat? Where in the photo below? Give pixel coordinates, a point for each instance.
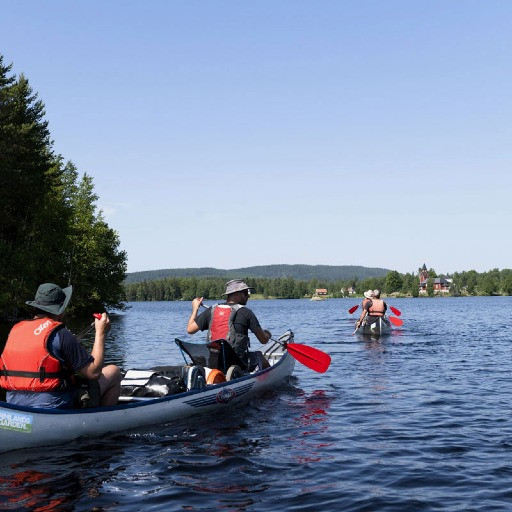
(41, 357)
(231, 321)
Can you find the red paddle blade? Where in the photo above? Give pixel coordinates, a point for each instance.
(353, 308)
(311, 357)
(395, 321)
(396, 311)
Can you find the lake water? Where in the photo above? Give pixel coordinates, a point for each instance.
(419, 420)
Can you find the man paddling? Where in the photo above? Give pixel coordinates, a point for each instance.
(41, 356)
(373, 309)
(231, 321)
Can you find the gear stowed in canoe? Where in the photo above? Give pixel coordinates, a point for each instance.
(212, 379)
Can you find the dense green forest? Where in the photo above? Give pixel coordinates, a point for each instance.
(494, 282)
(50, 228)
(299, 272)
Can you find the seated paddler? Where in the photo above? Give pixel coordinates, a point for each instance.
(41, 357)
(231, 321)
(373, 309)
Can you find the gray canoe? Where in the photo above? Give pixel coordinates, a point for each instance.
(25, 427)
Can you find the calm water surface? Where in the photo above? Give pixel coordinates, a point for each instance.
(417, 421)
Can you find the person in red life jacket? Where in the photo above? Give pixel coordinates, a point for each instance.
(231, 321)
(41, 356)
(374, 309)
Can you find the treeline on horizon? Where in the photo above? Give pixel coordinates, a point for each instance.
(50, 229)
(298, 272)
(494, 282)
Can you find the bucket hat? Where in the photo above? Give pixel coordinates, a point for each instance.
(368, 294)
(51, 298)
(236, 285)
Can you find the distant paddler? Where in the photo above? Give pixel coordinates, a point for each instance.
(373, 308)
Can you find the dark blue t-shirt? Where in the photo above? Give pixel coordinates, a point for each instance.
(64, 346)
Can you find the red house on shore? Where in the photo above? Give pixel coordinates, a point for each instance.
(441, 284)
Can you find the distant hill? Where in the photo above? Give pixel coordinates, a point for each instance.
(299, 272)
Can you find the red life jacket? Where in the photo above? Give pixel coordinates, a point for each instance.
(377, 308)
(25, 363)
(222, 328)
(221, 322)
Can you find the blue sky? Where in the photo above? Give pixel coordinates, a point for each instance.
(237, 133)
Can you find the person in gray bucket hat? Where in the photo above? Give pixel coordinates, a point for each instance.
(41, 357)
(236, 285)
(231, 321)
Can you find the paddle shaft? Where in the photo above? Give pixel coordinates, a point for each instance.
(90, 328)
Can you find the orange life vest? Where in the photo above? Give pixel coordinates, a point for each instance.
(377, 308)
(25, 363)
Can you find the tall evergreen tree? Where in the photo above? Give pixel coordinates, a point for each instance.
(49, 228)
(31, 221)
(95, 266)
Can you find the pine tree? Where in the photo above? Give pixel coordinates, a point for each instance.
(95, 266)
(49, 228)
(31, 207)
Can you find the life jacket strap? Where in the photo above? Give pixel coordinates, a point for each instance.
(42, 374)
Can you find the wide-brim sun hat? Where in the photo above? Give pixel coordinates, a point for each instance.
(236, 285)
(51, 298)
(368, 294)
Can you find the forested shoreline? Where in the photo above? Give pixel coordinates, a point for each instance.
(466, 283)
(50, 227)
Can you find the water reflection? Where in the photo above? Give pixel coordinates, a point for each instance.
(29, 489)
(314, 425)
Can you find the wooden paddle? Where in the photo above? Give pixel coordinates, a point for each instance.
(309, 356)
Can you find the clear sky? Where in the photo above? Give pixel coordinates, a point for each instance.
(239, 133)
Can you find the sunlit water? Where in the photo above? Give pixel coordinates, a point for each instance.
(419, 420)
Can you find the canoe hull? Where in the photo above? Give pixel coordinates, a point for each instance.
(379, 328)
(24, 427)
